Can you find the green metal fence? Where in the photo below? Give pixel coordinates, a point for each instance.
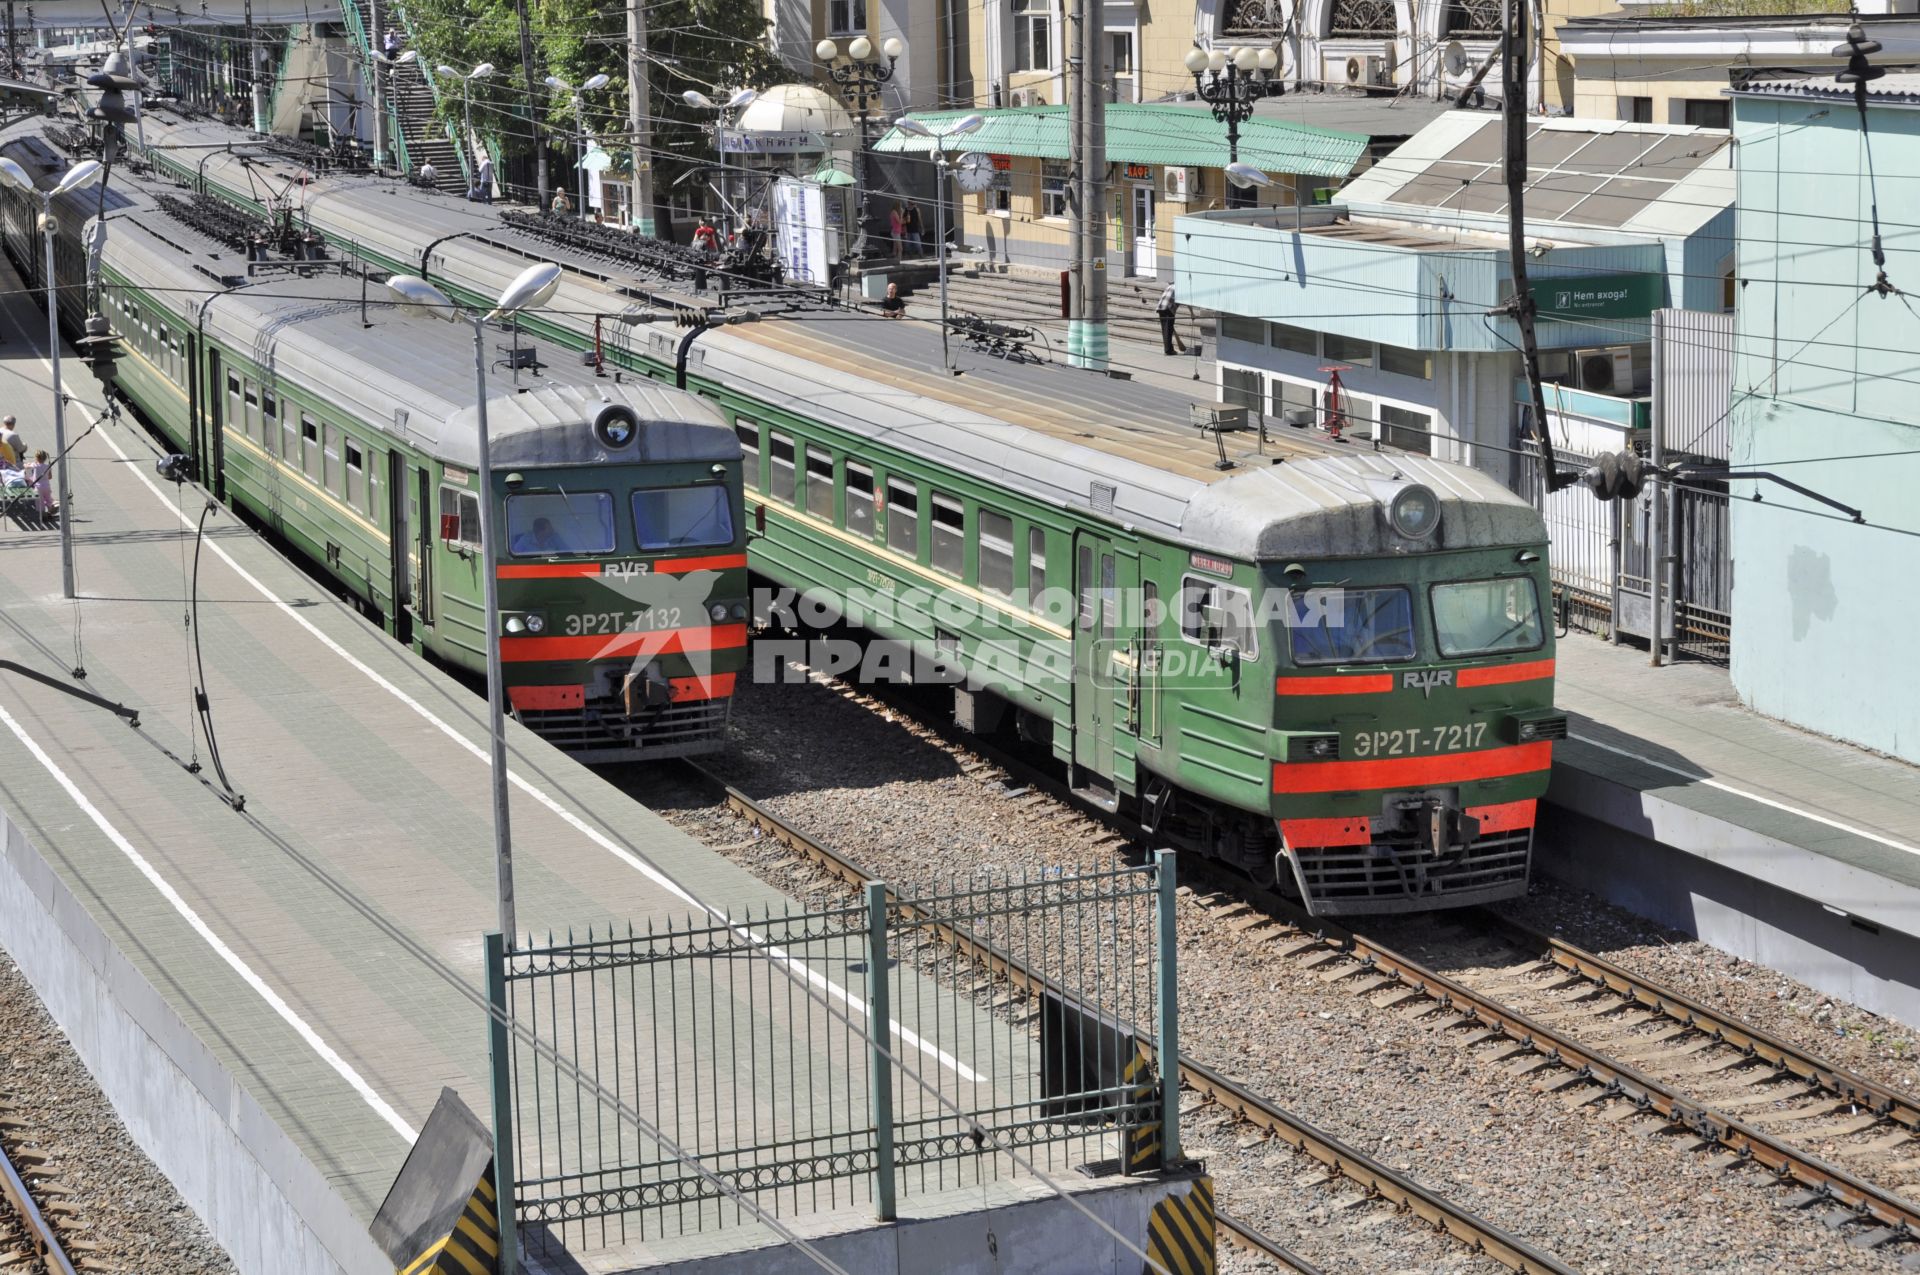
(750, 1044)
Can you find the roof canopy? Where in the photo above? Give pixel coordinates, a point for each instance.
(1147, 134)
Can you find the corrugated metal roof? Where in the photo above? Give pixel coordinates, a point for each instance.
(1896, 88)
(1147, 133)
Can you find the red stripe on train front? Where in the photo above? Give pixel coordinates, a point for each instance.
(1501, 674)
(1508, 816)
(1402, 772)
(570, 570)
(1351, 684)
(711, 686)
(1341, 830)
(618, 646)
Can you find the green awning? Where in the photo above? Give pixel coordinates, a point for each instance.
(1146, 133)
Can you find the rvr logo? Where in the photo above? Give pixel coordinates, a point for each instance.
(625, 569)
(1425, 682)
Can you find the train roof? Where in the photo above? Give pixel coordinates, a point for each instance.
(411, 376)
(1120, 450)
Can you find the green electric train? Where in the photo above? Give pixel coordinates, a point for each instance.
(351, 431)
(1326, 664)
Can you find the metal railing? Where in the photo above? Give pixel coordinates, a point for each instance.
(749, 1043)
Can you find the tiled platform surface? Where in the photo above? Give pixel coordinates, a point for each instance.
(242, 982)
(1794, 850)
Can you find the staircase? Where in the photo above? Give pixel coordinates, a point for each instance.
(418, 137)
(1034, 298)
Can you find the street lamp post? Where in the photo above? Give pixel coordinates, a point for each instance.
(559, 85)
(1224, 81)
(480, 72)
(740, 100)
(390, 67)
(960, 128)
(81, 174)
(533, 287)
(860, 78)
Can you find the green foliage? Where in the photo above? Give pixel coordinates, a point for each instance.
(696, 44)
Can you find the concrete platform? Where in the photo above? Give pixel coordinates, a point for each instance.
(1782, 847)
(255, 991)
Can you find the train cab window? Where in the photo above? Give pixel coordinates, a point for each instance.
(749, 435)
(1349, 626)
(859, 498)
(996, 553)
(459, 518)
(356, 469)
(903, 517)
(820, 482)
(553, 524)
(780, 452)
(1215, 614)
(948, 531)
(682, 517)
(1036, 568)
(1487, 617)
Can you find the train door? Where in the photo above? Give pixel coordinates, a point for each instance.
(1146, 650)
(1104, 579)
(216, 418)
(419, 546)
(400, 544)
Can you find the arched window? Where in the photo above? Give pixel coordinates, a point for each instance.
(1364, 18)
(1473, 17)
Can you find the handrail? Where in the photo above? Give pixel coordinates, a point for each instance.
(369, 69)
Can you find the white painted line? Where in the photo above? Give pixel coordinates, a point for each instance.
(1711, 782)
(205, 931)
(665, 882)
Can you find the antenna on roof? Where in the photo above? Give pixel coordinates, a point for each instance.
(1859, 72)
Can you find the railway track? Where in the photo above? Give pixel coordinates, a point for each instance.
(1615, 1043)
(1337, 1158)
(28, 1241)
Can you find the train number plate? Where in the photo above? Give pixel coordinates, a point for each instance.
(1417, 740)
(624, 621)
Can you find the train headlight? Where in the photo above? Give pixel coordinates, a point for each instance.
(520, 623)
(718, 611)
(738, 611)
(1528, 730)
(536, 623)
(1415, 512)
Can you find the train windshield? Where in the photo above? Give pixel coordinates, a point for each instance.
(682, 517)
(1349, 626)
(550, 524)
(1486, 617)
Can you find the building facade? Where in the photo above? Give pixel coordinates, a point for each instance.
(1825, 376)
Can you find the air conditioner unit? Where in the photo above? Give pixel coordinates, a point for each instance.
(1605, 371)
(1359, 72)
(1389, 59)
(1178, 185)
(1028, 97)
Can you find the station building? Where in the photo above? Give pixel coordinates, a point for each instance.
(1824, 381)
(1399, 284)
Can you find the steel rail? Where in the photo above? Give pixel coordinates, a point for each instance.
(40, 1233)
(1241, 1235)
(1882, 1100)
(1822, 1181)
(1510, 1251)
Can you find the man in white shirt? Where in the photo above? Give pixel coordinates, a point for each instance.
(1168, 309)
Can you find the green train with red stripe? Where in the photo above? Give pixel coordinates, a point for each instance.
(351, 431)
(1325, 664)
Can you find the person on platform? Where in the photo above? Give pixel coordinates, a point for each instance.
(896, 228)
(390, 43)
(483, 180)
(13, 452)
(706, 239)
(429, 175)
(561, 204)
(895, 306)
(915, 230)
(39, 476)
(1169, 309)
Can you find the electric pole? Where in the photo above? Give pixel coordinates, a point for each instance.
(533, 102)
(376, 70)
(1087, 127)
(642, 142)
(1513, 109)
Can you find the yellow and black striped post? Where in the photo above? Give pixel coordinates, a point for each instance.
(1144, 1142)
(472, 1247)
(1180, 1232)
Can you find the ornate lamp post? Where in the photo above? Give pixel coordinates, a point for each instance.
(859, 78)
(959, 128)
(1225, 81)
(480, 72)
(724, 113)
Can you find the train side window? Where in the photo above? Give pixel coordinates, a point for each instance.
(234, 415)
(903, 518)
(290, 438)
(1109, 598)
(948, 531)
(1036, 568)
(253, 408)
(859, 498)
(1213, 614)
(269, 414)
(749, 435)
(780, 452)
(1083, 581)
(330, 458)
(996, 553)
(375, 461)
(309, 446)
(820, 482)
(356, 469)
(459, 518)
